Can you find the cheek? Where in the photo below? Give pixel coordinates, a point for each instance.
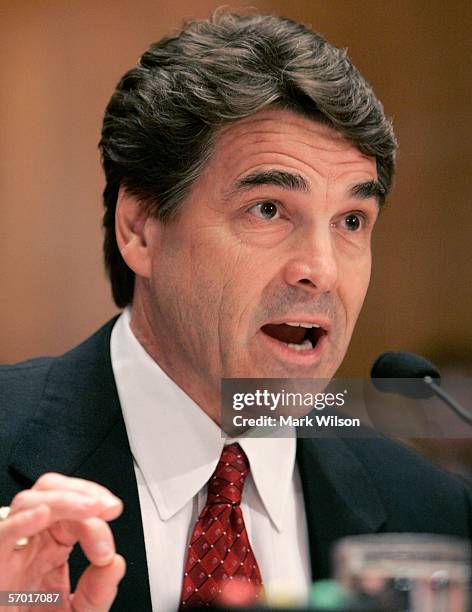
(241, 282)
(353, 288)
(241, 289)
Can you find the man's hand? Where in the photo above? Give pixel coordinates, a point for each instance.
(55, 513)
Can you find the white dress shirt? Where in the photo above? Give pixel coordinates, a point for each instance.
(176, 448)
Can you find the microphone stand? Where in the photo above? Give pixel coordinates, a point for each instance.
(455, 406)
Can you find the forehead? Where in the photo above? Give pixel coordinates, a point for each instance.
(282, 137)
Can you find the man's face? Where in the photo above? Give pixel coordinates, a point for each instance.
(275, 233)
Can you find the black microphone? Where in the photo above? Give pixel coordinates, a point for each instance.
(422, 379)
(403, 365)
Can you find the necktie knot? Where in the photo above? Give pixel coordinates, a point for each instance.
(227, 482)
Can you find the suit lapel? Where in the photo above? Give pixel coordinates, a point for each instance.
(340, 498)
(78, 430)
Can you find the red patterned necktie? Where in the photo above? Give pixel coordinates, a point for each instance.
(219, 547)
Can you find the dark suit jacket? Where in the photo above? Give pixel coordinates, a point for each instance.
(63, 414)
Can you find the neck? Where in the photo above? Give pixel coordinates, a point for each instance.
(156, 343)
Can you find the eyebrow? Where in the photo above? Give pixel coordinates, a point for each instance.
(279, 178)
(369, 189)
(296, 182)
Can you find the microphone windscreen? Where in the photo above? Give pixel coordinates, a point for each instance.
(403, 373)
(403, 365)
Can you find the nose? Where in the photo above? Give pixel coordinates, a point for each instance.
(313, 264)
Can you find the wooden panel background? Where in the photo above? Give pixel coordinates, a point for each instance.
(59, 62)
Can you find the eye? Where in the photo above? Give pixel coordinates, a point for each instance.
(353, 222)
(265, 210)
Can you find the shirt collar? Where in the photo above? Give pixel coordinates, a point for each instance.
(174, 442)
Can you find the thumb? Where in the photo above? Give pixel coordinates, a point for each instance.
(98, 586)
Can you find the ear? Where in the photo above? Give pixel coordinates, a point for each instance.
(132, 222)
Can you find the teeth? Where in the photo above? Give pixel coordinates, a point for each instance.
(306, 325)
(306, 345)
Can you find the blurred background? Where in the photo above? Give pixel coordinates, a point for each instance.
(59, 63)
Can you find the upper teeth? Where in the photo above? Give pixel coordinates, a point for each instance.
(307, 325)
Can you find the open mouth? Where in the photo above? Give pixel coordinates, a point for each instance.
(296, 336)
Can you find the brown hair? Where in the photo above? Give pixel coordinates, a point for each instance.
(162, 119)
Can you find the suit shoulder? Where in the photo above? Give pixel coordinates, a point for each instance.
(13, 369)
(383, 456)
(22, 381)
(24, 386)
(411, 483)
(21, 388)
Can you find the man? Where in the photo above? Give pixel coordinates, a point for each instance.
(246, 161)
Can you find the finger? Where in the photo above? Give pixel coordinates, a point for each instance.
(67, 505)
(96, 540)
(98, 586)
(93, 534)
(55, 481)
(26, 523)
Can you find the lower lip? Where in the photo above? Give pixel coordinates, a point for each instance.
(308, 357)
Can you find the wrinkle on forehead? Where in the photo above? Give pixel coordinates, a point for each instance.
(279, 121)
(262, 138)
